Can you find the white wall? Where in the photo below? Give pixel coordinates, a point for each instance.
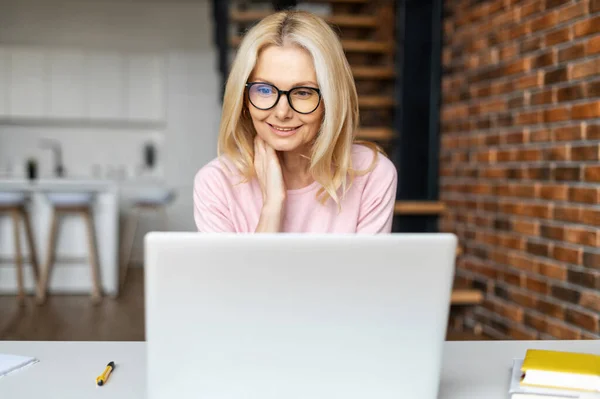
(182, 31)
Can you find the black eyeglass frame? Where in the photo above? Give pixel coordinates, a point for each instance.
(287, 94)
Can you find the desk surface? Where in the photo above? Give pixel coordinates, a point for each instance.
(68, 370)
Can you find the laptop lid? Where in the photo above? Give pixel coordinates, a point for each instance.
(296, 316)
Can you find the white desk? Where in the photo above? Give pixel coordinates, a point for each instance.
(68, 369)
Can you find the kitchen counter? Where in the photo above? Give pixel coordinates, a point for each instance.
(66, 184)
(71, 273)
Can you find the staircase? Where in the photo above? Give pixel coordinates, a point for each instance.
(370, 39)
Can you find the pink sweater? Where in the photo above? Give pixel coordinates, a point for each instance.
(221, 204)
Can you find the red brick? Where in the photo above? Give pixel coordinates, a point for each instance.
(557, 153)
(525, 227)
(536, 79)
(535, 320)
(556, 3)
(508, 52)
(587, 27)
(567, 173)
(551, 308)
(546, 21)
(556, 76)
(521, 333)
(518, 101)
(569, 133)
(538, 248)
(529, 117)
(587, 110)
(592, 132)
(531, 8)
(572, 12)
(554, 192)
(584, 194)
(594, 6)
(557, 114)
(565, 294)
(581, 236)
(591, 260)
(509, 311)
(590, 300)
(585, 69)
(516, 137)
(568, 214)
(572, 52)
(552, 270)
(593, 45)
(542, 135)
(562, 331)
(543, 97)
(590, 216)
(586, 320)
(522, 298)
(585, 153)
(584, 278)
(558, 36)
(570, 93)
(516, 32)
(567, 254)
(552, 232)
(592, 173)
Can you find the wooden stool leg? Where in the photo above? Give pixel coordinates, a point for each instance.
(129, 232)
(45, 272)
(32, 248)
(93, 255)
(18, 256)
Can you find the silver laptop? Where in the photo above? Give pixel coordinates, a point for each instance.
(296, 316)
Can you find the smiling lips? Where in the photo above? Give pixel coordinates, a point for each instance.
(284, 131)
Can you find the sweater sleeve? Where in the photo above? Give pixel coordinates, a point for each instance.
(211, 212)
(379, 196)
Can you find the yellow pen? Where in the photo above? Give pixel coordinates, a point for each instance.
(102, 378)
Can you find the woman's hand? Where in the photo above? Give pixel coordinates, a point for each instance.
(270, 179)
(268, 171)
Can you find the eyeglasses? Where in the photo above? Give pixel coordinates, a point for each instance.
(302, 99)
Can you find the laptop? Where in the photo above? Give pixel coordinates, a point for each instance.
(296, 316)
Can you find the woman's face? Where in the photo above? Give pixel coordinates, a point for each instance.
(281, 126)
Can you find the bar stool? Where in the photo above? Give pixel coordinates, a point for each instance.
(75, 204)
(153, 201)
(13, 202)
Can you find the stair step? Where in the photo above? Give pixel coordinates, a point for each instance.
(466, 297)
(339, 1)
(375, 101)
(357, 46)
(419, 208)
(366, 72)
(354, 21)
(375, 133)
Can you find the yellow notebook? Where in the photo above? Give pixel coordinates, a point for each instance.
(556, 369)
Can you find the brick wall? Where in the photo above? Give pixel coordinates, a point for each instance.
(520, 170)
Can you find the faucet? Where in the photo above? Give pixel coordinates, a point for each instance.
(56, 148)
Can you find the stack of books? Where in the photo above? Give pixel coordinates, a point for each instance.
(545, 374)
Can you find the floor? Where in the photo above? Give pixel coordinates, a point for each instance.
(74, 318)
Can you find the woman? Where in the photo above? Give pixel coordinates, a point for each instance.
(288, 161)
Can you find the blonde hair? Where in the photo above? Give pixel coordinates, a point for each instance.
(331, 157)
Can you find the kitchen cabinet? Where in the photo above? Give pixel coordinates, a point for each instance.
(81, 85)
(145, 87)
(28, 86)
(3, 82)
(66, 69)
(105, 80)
